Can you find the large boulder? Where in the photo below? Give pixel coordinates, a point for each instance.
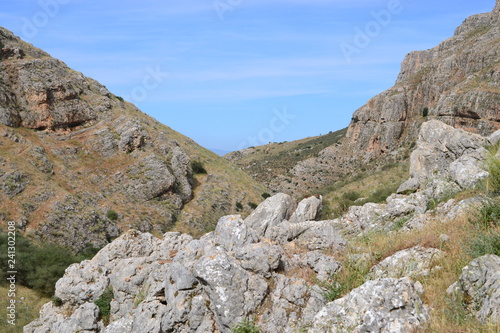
(270, 213)
(479, 288)
(384, 305)
(414, 262)
(444, 152)
(308, 209)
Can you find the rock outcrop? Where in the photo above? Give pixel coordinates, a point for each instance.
(456, 82)
(479, 288)
(446, 153)
(266, 267)
(384, 305)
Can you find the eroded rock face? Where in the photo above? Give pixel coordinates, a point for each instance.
(414, 262)
(444, 152)
(179, 284)
(308, 209)
(479, 288)
(384, 305)
(270, 213)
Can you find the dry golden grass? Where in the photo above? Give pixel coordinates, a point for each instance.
(446, 315)
(28, 306)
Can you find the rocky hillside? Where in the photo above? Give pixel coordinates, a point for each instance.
(265, 163)
(79, 165)
(457, 82)
(423, 261)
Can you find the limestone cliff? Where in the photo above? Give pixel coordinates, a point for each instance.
(457, 82)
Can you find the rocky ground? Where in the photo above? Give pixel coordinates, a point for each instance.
(280, 267)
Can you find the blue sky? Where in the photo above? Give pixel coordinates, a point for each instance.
(236, 73)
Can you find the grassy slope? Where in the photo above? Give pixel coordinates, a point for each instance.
(282, 156)
(28, 304)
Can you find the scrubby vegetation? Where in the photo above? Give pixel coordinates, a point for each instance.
(245, 326)
(39, 266)
(104, 304)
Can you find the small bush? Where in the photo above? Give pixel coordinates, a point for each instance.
(493, 181)
(56, 301)
(266, 195)
(487, 216)
(483, 244)
(330, 290)
(425, 112)
(120, 98)
(104, 304)
(245, 326)
(252, 205)
(112, 215)
(198, 168)
(239, 206)
(351, 196)
(39, 267)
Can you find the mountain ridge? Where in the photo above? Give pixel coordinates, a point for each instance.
(457, 82)
(75, 157)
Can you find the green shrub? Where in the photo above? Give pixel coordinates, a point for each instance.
(245, 326)
(493, 167)
(198, 168)
(266, 195)
(425, 112)
(487, 216)
(119, 98)
(112, 215)
(104, 304)
(483, 244)
(352, 196)
(56, 301)
(239, 206)
(252, 205)
(39, 266)
(330, 290)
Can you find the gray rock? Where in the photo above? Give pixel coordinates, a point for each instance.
(270, 213)
(360, 219)
(384, 305)
(325, 266)
(155, 181)
(293, 305)
(468, 170)
(261, 258)
(414, 262)
(438, 146)
(231, 233)
(232, 291)
(313, 235)
(308, 209)
(479, 288)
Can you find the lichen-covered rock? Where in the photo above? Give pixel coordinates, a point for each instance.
(384, 305)
(479, 288)
(308, 209)
(232, 291)
(414, 262)
(232, 233)
(270, 213)
(444, 152)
